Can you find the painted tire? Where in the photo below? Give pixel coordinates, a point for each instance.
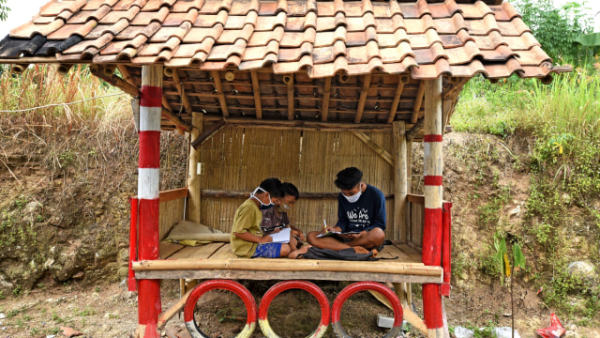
(263, 309)
(220, 284)
(350, 290)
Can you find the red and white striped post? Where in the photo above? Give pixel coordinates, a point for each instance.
(433, 191)
(148, 189)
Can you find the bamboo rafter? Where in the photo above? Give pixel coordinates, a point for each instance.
(219, 91)
(256, 91)
(105, 74)
(289, 81)
(325, 104)
(181, 91)
(418, 102)
(363, 98)
(394, 108)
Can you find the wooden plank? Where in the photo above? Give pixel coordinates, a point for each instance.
(384, 154)
(224, 252)
(174, 194)
(197, 252)
(418, 102)
(288, 275)
(256, 92)
(219, 91)
(418, 199)
(390, 251)
(325, 102)
(394, 108)
(360, 108)
(413, 254)
(167, 249)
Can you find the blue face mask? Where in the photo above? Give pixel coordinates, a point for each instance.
(262, 206)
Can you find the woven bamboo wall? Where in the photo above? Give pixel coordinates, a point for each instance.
(170, 213)
(237, 159)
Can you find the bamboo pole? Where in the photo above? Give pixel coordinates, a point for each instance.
(299, 124)
(194, 204)
(214, 193)
(207, 237)
(384, 154)
(114, 80)
(400, 181)
(394, 108)
(256, 92)
(288, 265)
(433, 192)
(181, 91)
(219, 91)
(172, 311)
(289, 81)
(325, 103)
(418, 102)
(360, 109)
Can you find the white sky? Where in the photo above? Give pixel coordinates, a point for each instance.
(22, 11)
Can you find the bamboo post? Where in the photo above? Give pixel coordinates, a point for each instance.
(362, 100)
(400, 180)
(193, 180)
(149, 306)
(433, 191)
(418, 102)
(399, 89)
(256, 92)
(325, 103)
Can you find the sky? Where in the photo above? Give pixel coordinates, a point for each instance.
(23, 10)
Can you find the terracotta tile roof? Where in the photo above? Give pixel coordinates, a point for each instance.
(425, 38)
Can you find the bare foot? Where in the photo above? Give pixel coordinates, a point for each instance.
(360, 250)
(294, 254)
(374, 252)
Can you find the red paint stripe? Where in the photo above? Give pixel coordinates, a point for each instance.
(434, 180)
(149, 149)
(432, 306)
(433, 138)
(149, 306)
(432, 237)
(131, 282)
(151, 96)
(446, 247)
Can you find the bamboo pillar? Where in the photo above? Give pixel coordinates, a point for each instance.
(149, 306)
(433, 191)
(193, 180)
(400, 181)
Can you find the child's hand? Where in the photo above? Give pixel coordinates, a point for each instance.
(266, 239)
(276, 230)
(299, 234)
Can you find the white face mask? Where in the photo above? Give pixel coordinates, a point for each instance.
(354, 198)
(262, 205)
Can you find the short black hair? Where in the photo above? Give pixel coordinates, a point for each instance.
(273, 186)
(348, 178)
(289, 189)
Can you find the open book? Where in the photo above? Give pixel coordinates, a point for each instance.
(283, 236)
(337, 233)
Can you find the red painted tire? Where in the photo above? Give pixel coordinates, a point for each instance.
(220, 284)
(263, 308)
(350, 290)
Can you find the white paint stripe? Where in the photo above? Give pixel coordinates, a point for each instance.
(150, 118)
(148, 179)
(433, 196)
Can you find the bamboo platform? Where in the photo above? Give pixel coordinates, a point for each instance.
(216, 260)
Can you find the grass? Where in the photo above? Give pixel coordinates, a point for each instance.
(561, 122)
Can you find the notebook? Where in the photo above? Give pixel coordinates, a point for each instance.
(283, 236)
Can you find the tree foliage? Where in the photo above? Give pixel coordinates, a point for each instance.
(3, 10)
(557, 29)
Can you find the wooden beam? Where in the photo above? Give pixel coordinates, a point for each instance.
(418, 199)
(194, 205)
(400, 181)
(289, 81)
(174, 194)
(360, 108)
(207, 133)
(286, 265)
(384, 154)
(181, 90)
(176, 120)
(299, 124)
(99, 71)
(457, 86)
(397, 95)
(413, 132)
(219, 91)
(172, 311)
(407, 313)
(418, 102)
(325, 102)
(256, 92)
(126, 74)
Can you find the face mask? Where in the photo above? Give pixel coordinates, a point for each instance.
(354, 198)
(285, 207)
(263, 206)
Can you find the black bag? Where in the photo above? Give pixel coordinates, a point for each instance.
(345, 254)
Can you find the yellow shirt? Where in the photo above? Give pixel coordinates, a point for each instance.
(247, 219)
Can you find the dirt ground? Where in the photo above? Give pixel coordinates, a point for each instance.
(109, 310)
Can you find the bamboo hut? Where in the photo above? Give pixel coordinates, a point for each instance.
(297, 89)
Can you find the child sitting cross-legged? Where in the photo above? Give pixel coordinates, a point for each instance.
(247, 238)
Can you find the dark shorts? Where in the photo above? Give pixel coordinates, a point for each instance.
(268, 250)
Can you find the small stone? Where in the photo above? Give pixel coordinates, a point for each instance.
(515, 212)
(2, 316)
(582, 269)
(505, 332)
(78, 275)
(33, 206)
(463, 332)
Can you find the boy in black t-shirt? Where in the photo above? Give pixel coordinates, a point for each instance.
(361, 211)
